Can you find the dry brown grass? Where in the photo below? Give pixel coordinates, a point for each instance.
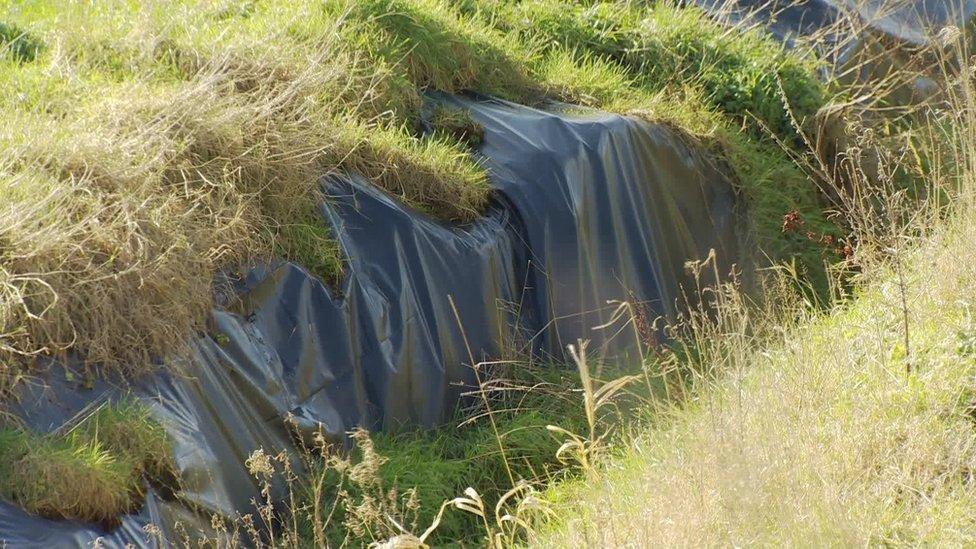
(119, 209)
(821, 437)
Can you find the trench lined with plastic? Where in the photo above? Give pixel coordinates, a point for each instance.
(589, 210)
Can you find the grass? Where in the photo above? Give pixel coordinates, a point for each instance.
(435, 466)
(742, 74)
(457, 124)
(126, 429)
(396, 483)
(65, 479)
(93, 473)
(834, 431)
(18, 45)
(150, 145)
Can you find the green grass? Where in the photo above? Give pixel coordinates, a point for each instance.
(94, 473)
(18, 45)
(126, 429)
(439, 464)
(742, 74)
(70, 478)
(457, 124)
(309, 243)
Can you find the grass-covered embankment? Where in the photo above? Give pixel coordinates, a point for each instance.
(148, 145)
(852, 428)
(787, 422)
(850, 425)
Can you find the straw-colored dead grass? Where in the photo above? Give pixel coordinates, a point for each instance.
(823, 438)
(117, 214)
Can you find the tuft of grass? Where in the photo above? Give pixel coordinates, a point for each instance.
(457, 124)
(69, 478)
(18, 44)
(94, 473)
(407, 475)
(126, 429)
(743, 74)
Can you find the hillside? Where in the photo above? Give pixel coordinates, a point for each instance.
(850, 428)
(407, 273)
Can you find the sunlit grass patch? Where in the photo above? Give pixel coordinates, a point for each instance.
(94, 473)
(71, 478)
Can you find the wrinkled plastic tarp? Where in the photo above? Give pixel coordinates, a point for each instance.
(910, 21)
(588, 208)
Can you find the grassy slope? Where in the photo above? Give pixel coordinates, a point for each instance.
(821, 435)
(148, 145)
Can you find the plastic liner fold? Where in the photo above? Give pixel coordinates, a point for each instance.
(915, 22)
(589, 209)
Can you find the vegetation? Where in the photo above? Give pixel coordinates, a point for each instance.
(150, 145)
(851, 428)
(662, 48)
(437, 466)
(18, 45)
(454, 123)
(396, 483)
(94, 472)
(153, 145)
(843, 418)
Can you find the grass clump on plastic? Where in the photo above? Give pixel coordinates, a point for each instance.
(149, 146)
(94, 473)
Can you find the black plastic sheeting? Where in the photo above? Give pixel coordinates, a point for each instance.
(589, 208)
(914, 22)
